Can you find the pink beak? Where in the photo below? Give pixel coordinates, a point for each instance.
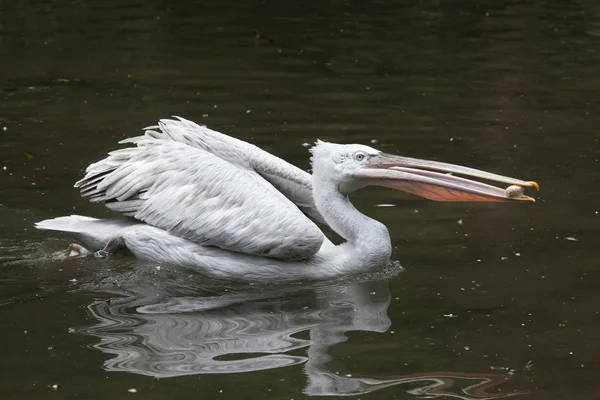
(436, 180)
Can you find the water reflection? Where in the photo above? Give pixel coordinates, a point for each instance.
(164, 334)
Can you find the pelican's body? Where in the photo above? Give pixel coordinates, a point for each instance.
(154, 244)
(205, 200)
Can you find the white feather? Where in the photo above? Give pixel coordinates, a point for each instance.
(200, 185)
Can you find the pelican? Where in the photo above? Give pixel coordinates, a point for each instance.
(198, 198)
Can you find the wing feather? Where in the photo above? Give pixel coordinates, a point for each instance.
(279, 175)
(199, 196)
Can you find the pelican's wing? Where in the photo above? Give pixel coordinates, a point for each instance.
(199, 196)
(288, 179)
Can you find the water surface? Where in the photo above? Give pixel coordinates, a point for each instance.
(494, 300)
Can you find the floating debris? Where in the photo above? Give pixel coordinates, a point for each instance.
(132, 390)
(258, 38)
(502, 369)
(385, 205)
(571, 238)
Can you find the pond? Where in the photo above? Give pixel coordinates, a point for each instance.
(482, 301)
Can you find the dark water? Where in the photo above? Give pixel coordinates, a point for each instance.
(495, 300)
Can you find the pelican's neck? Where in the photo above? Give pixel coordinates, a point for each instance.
(368, 240)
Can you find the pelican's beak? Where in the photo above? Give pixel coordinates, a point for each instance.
(436, 180)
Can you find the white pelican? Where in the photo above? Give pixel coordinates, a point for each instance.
(202, 199)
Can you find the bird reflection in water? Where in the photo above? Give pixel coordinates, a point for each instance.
(169, 335)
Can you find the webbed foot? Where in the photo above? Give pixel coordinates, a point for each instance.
(76, 251)
(100, 254)
(73, 251)
(114, 245)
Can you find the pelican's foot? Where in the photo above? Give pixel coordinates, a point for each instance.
(77, 251)
(114, 245)
(73, 251)
(100, 254)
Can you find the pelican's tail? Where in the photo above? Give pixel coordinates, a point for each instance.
(93, 232)
(71, 223)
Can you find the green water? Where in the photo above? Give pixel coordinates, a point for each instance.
(494, 299)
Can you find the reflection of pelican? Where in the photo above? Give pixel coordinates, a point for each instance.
(259, 330)
(196, 196)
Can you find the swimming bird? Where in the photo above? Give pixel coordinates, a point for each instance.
(195, 197)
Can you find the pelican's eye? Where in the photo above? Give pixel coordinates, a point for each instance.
(359, 156)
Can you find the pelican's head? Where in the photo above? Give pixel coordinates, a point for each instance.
(353, 166)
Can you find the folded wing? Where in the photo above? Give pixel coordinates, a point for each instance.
(212, 197)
